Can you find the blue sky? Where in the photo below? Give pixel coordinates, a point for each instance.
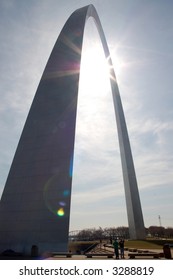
(140, 37)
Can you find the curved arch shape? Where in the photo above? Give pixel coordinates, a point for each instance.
(39, 182)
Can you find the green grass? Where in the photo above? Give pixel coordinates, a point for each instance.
(78, 246)
(147, 244)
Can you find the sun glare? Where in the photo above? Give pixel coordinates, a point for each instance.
(94, 67)
(94, 76)
(95, 72)
(118, 63)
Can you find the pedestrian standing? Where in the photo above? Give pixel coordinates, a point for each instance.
(116, 248)
(121, 244)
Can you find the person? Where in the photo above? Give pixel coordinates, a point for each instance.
(121, 244)
(115, 244)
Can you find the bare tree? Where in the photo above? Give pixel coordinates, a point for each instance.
(169, 232)
(156, 231)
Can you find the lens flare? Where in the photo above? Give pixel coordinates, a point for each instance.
(62, 203)
(55, 200)
(71, 167)
(66, 193)
(60, 212)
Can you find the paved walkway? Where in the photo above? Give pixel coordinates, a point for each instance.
(126, 257)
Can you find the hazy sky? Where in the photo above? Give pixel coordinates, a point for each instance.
(140, 37)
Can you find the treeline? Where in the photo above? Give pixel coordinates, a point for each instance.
(100, 234)
(161, 232)
(120, 232)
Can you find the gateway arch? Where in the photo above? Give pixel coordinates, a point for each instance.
(35, 204)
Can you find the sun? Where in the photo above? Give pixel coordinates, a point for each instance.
(94, 66)
(95, 72)
(94, 75)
